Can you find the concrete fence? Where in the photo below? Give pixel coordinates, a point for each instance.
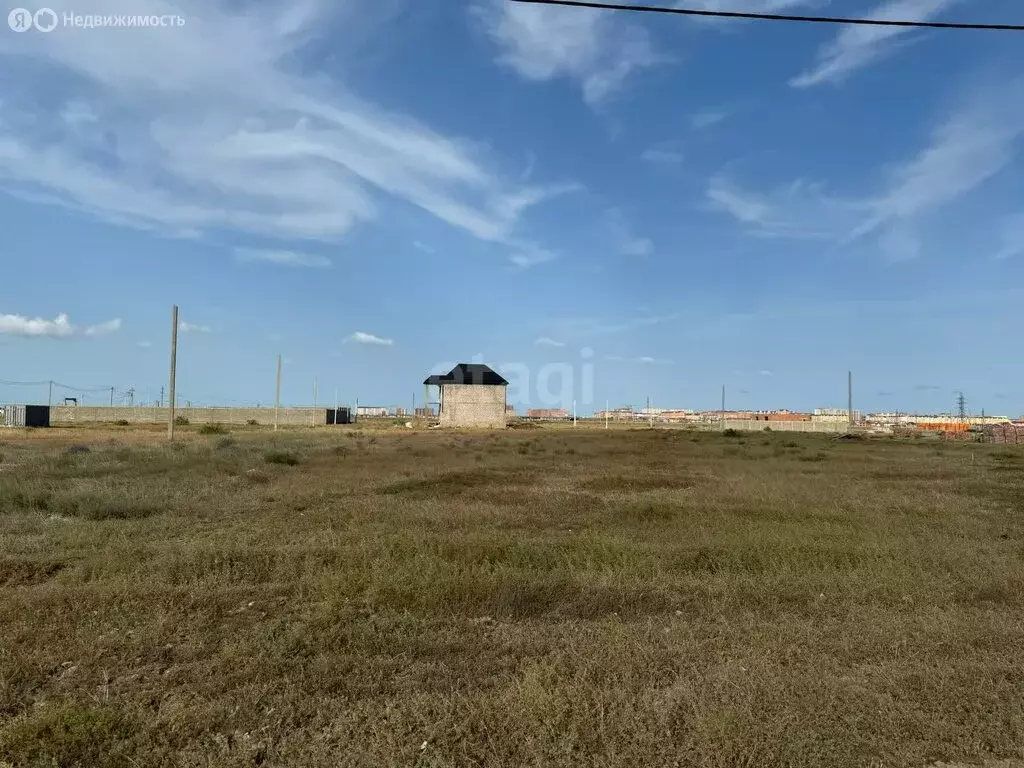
(290, 417)
(749, 425)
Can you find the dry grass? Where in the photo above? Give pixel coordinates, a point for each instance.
(534, 598)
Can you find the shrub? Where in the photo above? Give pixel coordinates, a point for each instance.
(730, 432)
(252, 422)
(225, 442)
(281, 457)
(74, 450)
(767, 429)
(213, 429)
(122, 422)
(181, 421)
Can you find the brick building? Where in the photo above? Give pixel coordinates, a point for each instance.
(470, 395)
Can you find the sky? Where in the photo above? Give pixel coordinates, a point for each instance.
(612, 206)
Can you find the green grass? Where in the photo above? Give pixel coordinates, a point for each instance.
(534, 598)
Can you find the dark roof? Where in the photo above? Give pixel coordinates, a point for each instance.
(468, 373)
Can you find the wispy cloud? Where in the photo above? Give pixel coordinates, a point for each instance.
(194, 328)
(110, 326)
(1013, 237)
(707, 118)
(144, 344)
(662, 154)
(360, 337)
(588, 46)
(283, 258)
(545, 341)
(858, 46)
(531, 257)
(60, 327)
(653, 361)
(799, 210)
(765, 373)
(422, 247)
(220, 126)
(973, 144)
(623, 238)
(637, 246)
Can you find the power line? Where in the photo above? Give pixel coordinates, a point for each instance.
(778, 16)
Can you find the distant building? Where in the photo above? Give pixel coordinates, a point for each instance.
(835, 416)
(471, 395)
(371, 410)
(547, 413)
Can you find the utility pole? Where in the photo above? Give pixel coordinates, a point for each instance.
(111, 397)
(574, 413)
(849, 394)
(314, 404)
(49, 398)
(723, 407)
(606, 414)
(174, 366)
(161, 397)
(277, 398)
(650, 416)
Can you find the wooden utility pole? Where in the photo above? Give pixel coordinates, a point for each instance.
(49, 398)
(174, 366)
(111, 397)
(277, 398)
(606, 414)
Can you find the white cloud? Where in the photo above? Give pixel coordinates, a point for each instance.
(799, 210)
(1013, 237)
(422, 247)
(359, 337)
(58, 328)
(194, 328)
(597, 49)
(663, 155)
(858, 46)
(765, 373)
(218, 126)
(707, 118)
(283, 258)
(637, 246)
(976, 142)
(111, 326)
(545, 341)
(144, 344)
(531, 257)
(614, 358)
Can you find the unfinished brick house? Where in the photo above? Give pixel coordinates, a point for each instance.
(470, 395)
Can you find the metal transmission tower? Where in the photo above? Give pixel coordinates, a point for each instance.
(961, 406)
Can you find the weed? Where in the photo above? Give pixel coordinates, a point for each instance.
(224, 443)
(122, 422)
(281, 457)
(213, 429)
(181, 421)
(730, 432)
(252, 422)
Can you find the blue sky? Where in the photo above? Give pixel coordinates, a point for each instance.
(378, 190)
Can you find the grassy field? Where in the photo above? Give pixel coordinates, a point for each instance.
(532, 598)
